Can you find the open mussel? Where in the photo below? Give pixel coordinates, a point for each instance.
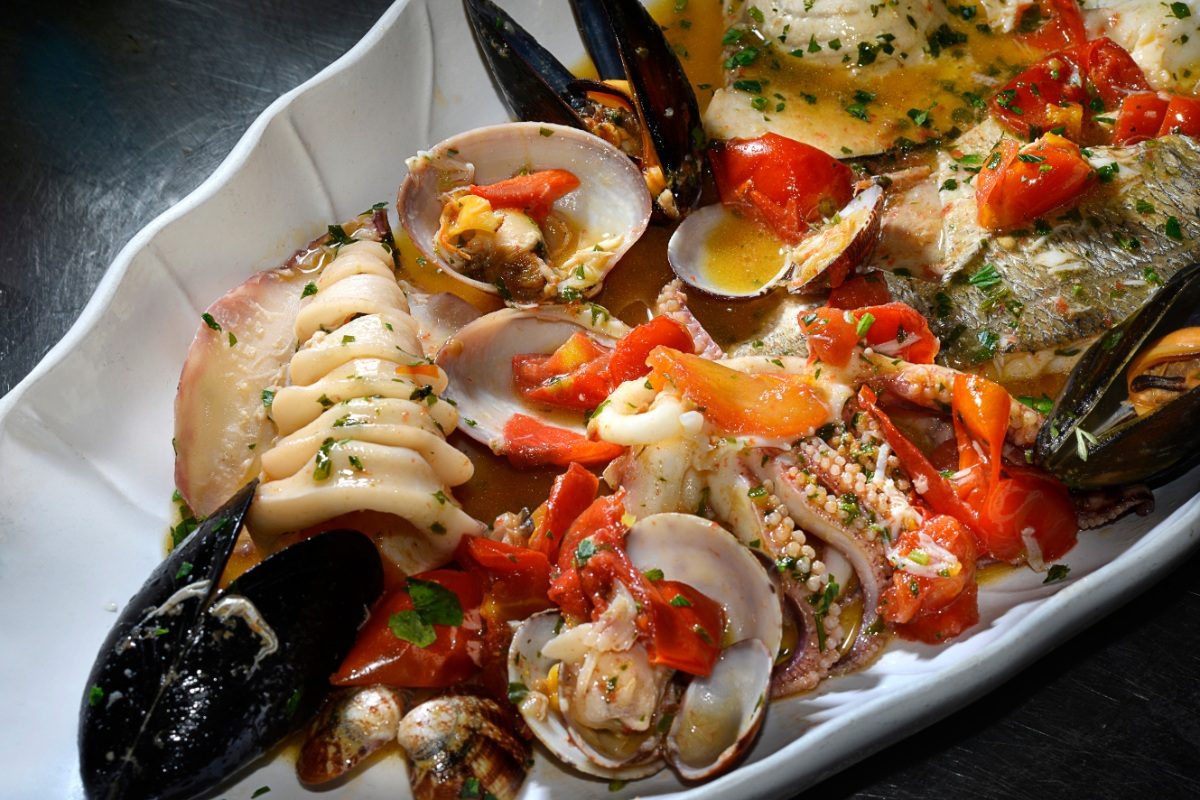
(194, 682)
(1128, 412)
(643, 103)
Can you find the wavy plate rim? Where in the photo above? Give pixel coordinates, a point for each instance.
(843, 740)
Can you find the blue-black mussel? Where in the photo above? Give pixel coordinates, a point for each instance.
(194, 682)
(1129, 410)
(643, 102)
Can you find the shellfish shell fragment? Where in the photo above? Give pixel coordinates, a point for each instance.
(827, 256)
(606, 213)
(691, 256)
(462, 746)
(478, 362)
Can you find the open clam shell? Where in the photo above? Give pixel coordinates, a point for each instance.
(606, 214)
(826, 257)
(694, 257)
(717, 716)
(478, 362)
(720, 253)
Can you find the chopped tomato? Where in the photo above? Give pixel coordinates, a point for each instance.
(983, 409)
(517, 579)
(572, 492)
(868, 289)
(899, 330)
(896, 329)
(1020, 184)
(580, 374)
(922, 605)
(1112, 72)
(1048, 96)
(682, 627)
(1029, 506)
(1182, 116)
(783, 184)
(1063, 92)
(530, 443)
(774, 405)
(573, 376)
(952, 620)
(832, 335)
(629, 358)
(1140, 118)
(686, 627)
(534, 193)
(1051, 24)
(380, 656)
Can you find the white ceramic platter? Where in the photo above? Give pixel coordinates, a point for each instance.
(85, 441)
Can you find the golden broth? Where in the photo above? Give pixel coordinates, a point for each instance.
(740, 256)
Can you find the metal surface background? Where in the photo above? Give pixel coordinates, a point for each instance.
(113, 111)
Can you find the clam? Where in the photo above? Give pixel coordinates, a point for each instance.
(721, 253)
(699, 730)
(478, 362)
(1127, 414)
(195, 682)
(522, 255)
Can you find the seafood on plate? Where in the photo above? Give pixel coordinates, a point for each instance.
(529, 211)
(717, 523)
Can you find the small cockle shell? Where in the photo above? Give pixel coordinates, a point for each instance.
(608, 211)
(478, 362)
(462, 746)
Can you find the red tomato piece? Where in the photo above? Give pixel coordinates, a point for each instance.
(379, 656)
(685, 626)
(1182, 116)
(912, 596)
(1050, 95)
(1056, 24)
(766, 404)
(1141, 117)
(517, 578)
(573, 376)
(1029, 505)
(571, 494)
(952, 620)
(530, 443)
(1020, 184)
(1112, 72)
(868, 289)
(629, 359)
(902, 327)
(832, 335)
(783, 184)
(534, 193)
(983, 409)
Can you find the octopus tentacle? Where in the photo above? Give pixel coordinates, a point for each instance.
(932, 386)
(842, 525)
(762, 522)
(672, 302)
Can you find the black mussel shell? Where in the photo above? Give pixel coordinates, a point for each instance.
(188, 691)
(1088, 442)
